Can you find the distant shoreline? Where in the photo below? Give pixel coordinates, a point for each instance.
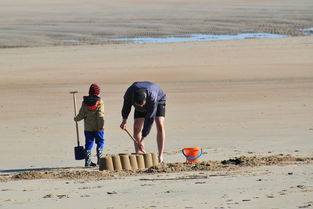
(86, 23)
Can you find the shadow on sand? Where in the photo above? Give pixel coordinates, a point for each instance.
(38, 169)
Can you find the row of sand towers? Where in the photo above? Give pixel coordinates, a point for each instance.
(126, 161)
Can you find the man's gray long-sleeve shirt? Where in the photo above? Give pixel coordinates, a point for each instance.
(155, 96)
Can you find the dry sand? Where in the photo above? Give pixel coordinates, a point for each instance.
(232, 98)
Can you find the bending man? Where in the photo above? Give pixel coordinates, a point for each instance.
(149, 102)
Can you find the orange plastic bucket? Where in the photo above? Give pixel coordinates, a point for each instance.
(192, 154)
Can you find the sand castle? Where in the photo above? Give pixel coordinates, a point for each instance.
(128, 161)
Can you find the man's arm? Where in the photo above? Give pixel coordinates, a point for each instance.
(127, 103)
(126, 107)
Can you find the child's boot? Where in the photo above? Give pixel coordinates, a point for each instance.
(99, 155)
(88, 162)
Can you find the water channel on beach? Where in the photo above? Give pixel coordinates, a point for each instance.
(192, 38)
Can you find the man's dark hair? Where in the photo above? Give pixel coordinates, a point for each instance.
(140, 96)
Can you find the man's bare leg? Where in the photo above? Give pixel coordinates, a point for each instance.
(159, 121)
(138, 123)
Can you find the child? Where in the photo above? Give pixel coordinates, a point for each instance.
(92, 111)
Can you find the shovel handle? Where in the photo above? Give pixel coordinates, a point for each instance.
(129, 134)
(75, 113)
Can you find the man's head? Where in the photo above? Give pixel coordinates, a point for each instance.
(94, 90)
(140, 97)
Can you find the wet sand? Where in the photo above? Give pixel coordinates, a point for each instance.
(250, 98)
(44, 23)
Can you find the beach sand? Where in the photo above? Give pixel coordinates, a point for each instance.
(233, 98)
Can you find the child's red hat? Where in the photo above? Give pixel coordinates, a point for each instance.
(94, 90)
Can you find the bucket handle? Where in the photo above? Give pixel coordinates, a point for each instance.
(192, 158)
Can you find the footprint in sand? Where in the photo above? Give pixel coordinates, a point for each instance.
(86, 195)
(146, 185)
(48, 196)
(200, 182)
(61, 196)
(9, 200)
(307, 205)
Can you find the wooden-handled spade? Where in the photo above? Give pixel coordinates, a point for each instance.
(78, 150)
(132, 137)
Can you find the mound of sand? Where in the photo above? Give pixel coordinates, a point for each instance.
(231, 164)
(225, 165)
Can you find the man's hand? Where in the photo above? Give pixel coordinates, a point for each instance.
(123, 124)
(140, 145)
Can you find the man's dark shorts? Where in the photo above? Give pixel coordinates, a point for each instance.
(160, 112)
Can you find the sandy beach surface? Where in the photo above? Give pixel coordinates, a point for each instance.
(233, 98)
